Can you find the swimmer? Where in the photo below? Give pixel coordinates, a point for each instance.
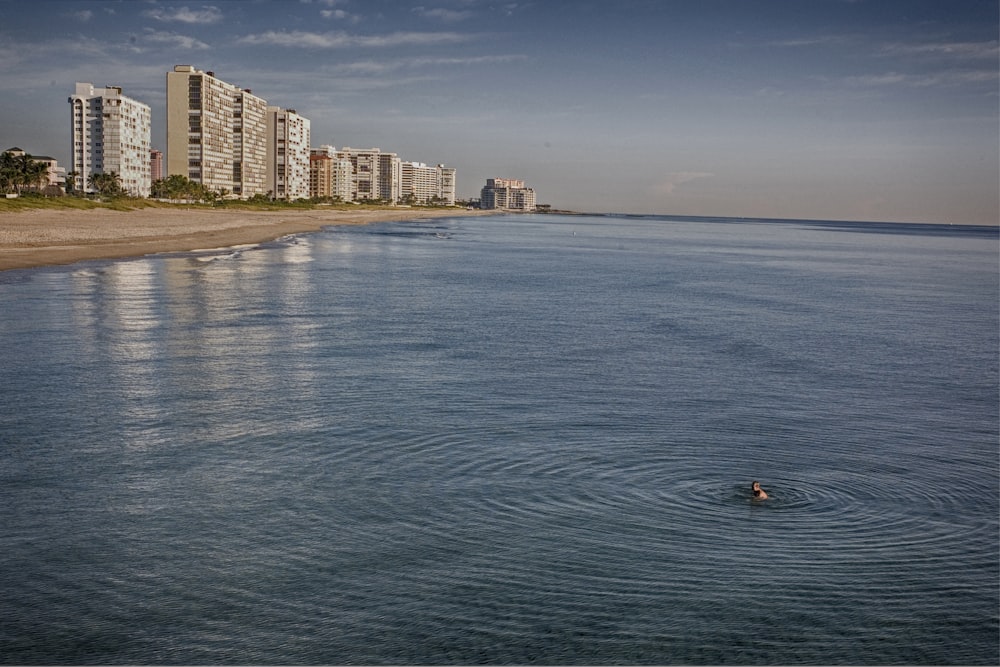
(758, 493)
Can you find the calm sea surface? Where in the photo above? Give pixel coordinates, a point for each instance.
(517, 439)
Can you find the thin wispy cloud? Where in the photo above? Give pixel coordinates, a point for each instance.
(951, 50)
(442, 14)
(340, 15)
(951, 78)
(205, 14)
(343, 40)
(816, 40)
(370, 67)
(172, 39)
(83, 15)
(675, 179)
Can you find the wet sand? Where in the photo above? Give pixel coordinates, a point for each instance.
(45, 237)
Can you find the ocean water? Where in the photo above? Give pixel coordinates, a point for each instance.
(508, 440)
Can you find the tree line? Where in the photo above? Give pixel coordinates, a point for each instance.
(22, 172)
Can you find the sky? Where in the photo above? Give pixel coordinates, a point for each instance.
(882, 110)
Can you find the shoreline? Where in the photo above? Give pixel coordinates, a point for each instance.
(35, 238)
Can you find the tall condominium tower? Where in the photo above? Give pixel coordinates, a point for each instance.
(287, 154)
(422, 183)
(155, 164)
(329, 175)
(249, 144)
(377, 175)
(508, 194)
(215, 134)
(111, 134)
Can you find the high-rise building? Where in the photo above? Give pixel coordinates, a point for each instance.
(329, 176)
(507, 194)
(215, 132)
(449, 179)
(111, 134)
(421, 184)
(376, 174)
(287, 154)
(249, 144)
(155, 165)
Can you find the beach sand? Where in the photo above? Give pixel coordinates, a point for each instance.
(45, 237)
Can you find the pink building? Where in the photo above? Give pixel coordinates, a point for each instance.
(155, 164)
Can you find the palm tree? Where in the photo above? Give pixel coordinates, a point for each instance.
(106, 184)
(8, 171)
(71, 181)
(37, 175)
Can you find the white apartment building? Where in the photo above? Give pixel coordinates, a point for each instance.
(449, 179)
(111, 134)
(249, 145)
(216, 134)
(507, 194)
(329, 176)
(421, 183)
(376, 174)
(287, 154)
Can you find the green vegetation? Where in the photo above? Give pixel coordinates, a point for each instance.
(178, 187)
(31, 200)
(21, 172)
(106, 185)
(179, 191)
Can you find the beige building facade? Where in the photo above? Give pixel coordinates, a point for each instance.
(288, 136)
(330, 177)
(376, 175)
(216, 133)
(249, 145)
(507, 194)
(421, 183)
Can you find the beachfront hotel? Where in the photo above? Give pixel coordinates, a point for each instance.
(287, 154)
(249, 144)
(507, 194)
(352, 174)
(110, 134)
(330, 176)
(422, 184)
(376, 174)
(216, 133)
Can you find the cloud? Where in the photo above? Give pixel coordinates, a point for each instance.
(677, 178)
(819, 40)
(370, 67)
(951, 50)
(207, 14)
(950, 78)
(343, 40)
(440, 14)
(173, 40)
(340, 15)
(83, 15)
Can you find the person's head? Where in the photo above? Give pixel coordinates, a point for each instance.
(755, 486)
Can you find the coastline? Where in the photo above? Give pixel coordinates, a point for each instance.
(45, 237)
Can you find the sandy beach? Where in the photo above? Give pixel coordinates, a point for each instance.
(43, 237)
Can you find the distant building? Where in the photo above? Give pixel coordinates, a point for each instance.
(287, 154)
(376, 174)
(421, 183)
(507, 194)
(330, 177)
(216, 134)
(155, 164)
(110, 134)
